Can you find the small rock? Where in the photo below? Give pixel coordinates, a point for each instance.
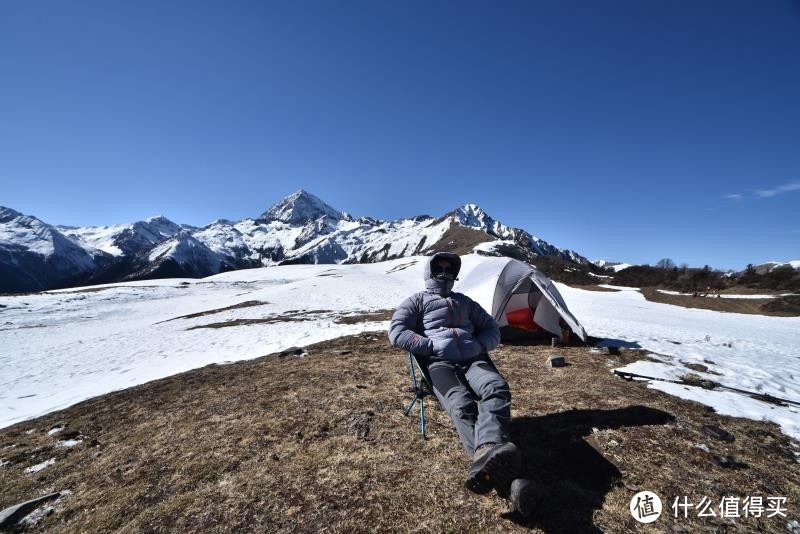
(557, 360)
(36, 517)
(718, 433)
(729, 462)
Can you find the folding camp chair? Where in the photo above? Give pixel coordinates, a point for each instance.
(421, 385)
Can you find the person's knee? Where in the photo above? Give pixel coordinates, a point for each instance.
(460, 405)
(495, 388)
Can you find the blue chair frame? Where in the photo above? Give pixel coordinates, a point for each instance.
(421, 386)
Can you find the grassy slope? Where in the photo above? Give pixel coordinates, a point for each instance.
(315, 443)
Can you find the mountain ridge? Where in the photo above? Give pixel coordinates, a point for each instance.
(299, 228)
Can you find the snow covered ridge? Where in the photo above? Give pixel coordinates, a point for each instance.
(772, 265)
(299, 229)
(613, 265)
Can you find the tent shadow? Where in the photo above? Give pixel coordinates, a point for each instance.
(573, 477)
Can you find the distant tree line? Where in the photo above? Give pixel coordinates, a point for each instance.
(666, 275)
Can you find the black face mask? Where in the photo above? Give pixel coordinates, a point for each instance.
(442, 273)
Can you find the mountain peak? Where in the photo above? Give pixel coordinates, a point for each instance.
(6, 214)
(301, 207)
(473, 215)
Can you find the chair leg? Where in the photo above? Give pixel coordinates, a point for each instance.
(422, 416)
(411, 404)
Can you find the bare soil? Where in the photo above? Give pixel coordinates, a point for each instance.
(285, 444)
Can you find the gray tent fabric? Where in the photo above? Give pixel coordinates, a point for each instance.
(501, 285)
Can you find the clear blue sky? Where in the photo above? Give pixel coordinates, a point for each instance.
(628, 130)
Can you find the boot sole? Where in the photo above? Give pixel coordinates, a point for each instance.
(495, 471)
(525, 497)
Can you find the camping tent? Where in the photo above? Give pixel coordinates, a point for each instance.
(518, 295)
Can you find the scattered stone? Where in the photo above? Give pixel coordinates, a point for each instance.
(630, 486)
(359, 424)
(695, 367)
(557, 360)
(345, 352)
(36, 517)
(293, 351)
(729, 462)
(698, 381)
(72, 434)
(716, 432)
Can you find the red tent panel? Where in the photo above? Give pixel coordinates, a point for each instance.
(522, 318)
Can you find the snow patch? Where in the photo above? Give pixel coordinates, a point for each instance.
(38, 467)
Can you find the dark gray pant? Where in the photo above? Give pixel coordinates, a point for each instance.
(477, 422)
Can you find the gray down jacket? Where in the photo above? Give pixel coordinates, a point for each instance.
(440, 322)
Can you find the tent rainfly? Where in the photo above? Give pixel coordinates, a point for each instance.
(518, 295)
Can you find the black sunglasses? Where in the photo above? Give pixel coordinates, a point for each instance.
(439, 268)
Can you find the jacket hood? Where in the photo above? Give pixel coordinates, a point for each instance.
(441, 287)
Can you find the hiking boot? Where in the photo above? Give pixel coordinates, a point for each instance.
(493, 467)
(525, 497)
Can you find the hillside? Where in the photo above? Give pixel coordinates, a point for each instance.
(286, 443)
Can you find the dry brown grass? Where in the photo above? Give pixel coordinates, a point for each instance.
(459, 240)
(379, 315)
(751, 306)
(283, 444)
(246, 304)
(594, 287)
(95, 289)
(291, 315)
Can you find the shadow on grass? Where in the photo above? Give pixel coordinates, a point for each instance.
(573, 476)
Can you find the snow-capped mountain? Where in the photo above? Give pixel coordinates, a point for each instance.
(615, 266)
(300, 228)
(772, 265)
(302, 207)
(123, 239)
(472, 216)
(34, 255)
